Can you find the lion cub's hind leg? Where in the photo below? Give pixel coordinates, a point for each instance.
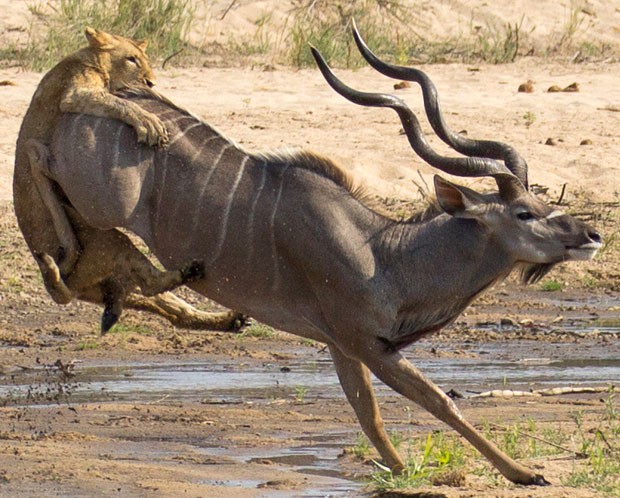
(111, 266)
(69, 250)
(54, 284)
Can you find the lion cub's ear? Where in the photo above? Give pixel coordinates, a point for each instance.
(99, 39)
(142, 44)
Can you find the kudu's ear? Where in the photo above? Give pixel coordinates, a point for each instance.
(457, 200)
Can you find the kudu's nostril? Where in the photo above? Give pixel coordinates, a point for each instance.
(595, 236)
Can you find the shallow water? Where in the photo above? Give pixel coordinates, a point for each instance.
(516, 365)
(318, 461)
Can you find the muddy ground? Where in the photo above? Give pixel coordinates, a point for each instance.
(57, 441)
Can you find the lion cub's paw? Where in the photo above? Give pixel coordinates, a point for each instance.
(151, 130)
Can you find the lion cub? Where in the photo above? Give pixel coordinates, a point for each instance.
(82, 83)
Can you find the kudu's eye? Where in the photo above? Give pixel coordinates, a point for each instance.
(525, 216)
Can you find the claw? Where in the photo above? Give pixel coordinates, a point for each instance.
(194, 271)
(240, 322)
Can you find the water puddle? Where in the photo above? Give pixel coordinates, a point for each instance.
(318, 461)
(518, 365)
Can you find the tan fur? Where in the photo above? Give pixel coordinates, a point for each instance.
(88, 263)
(81, 82)
(84, 82)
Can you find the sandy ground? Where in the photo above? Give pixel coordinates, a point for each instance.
(173, 447)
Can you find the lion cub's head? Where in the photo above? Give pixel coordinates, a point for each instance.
(124, 59)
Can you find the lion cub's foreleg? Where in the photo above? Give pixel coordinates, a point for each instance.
(99, 102)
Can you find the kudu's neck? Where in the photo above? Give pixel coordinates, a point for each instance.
(436, 268)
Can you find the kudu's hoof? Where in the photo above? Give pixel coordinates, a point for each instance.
(535, 480)
(540, 481)
(194, 271)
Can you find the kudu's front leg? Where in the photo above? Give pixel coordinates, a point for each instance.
(355, 381)
(395, 371)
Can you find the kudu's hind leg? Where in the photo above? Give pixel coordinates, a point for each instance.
(38, 157)
(129, 263)
(151, 283)
(395, 371)
(113, 295)
(95, 279)
(355, 381)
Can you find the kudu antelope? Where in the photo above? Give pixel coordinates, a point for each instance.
(288, 239)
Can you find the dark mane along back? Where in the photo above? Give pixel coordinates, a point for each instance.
(146, 93)
(322, 166)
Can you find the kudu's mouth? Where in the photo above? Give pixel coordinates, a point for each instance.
(588, 249)
(585, 251)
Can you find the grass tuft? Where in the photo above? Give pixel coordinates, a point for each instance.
(57, 29)
(440, 459)
(392, 28)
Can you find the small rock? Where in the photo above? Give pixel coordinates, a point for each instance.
(573, 87)
(402, 85)
(507, 322)
(554, 89)
(527, 87)
(551, 141)
(586, 141)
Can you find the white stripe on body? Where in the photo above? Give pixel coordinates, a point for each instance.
(272, 220)
(226, 214)
(200, 149)
(205, 183)
(263, 166)
(181, 134)
(117, 147)
(160, 194)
